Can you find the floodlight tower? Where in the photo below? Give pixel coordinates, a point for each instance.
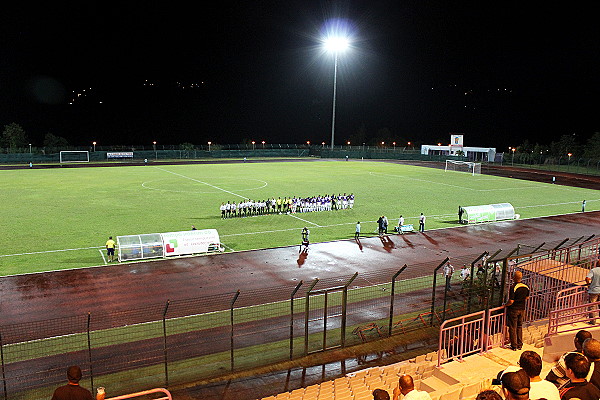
(335, 45)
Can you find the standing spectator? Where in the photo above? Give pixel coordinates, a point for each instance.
(110, 249)
(380, 394)
(583, 206)
(593, 280)
(422, 223)
(400, 224)
(465, 272)
(531, 362)
(305, 239)
(385, 224)
(357, 232)
(591, 349)
(515, 385)
(557, 374)
(448, 271)
(515, 310)
(406, 386)
(72, 390)
(380, 225)
(578, 367)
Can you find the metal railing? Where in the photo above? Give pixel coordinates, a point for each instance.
(567, 317)
(145, 393)
(473, 333)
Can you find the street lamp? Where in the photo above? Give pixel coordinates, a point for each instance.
(335, 44)
(29, 148)
(155, 153)
(253, 143)
(263, 143)
(94, 143)
(209, 143)
(513, 156)
(394, 143)
(323, 144)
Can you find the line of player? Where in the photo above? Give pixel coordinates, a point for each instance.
(287, 205)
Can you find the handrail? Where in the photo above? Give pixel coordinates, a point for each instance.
(570, 315)
(144, 393)
(472, 334)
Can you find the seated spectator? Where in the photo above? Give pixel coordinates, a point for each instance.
(380, 394)
(577, 368)
(488, 395)
(591, 349)
(406, 386)
(557, 374)
(515, 385)
(72, 390)
(531, 362)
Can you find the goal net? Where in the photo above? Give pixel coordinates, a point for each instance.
(74, 156)
(463, 166)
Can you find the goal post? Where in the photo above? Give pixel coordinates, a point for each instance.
(463, 166)
(74, 156)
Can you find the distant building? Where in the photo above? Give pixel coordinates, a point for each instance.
(487, 154)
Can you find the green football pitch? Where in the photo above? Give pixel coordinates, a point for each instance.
(61, 217)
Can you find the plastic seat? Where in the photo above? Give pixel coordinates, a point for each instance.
(452, 394)
(470, 391)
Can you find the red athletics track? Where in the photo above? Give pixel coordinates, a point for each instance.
(118, 287)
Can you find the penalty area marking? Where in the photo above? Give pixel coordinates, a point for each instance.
(199, 181)
(147, 185)
(103, 258)
(454, 186)
(308, 222)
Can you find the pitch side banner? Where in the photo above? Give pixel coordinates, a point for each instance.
(189, 242)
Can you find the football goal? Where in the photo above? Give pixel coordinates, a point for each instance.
(73, 156)
(463, 166)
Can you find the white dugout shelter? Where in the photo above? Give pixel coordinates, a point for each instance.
(488, 213)
(155, 245)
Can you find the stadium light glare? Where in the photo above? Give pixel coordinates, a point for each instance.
(335, 44)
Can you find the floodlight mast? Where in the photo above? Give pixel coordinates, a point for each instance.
(335, 45)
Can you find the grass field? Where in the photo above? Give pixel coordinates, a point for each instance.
(60, 218)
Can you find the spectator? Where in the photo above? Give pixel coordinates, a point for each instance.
(593, 281)
(557, 374)
(515, 385)
(406, 387)
(380, 394)
(488, 395)
(578, 368)
(531, 362)
(72, 390)
(515, 310)
(591, 349)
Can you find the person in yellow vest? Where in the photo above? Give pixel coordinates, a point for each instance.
(110, 249)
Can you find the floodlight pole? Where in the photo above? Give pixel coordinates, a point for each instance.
(335, 64)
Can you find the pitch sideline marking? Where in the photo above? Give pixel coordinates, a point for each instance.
(293, 229)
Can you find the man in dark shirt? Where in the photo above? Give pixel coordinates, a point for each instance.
(515, 310)
(591, 349)
(72, 390)
(578, 367)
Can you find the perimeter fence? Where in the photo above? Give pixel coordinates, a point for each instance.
(153, 153)
(190, 340)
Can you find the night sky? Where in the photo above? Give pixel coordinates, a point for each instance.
(174, 72)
